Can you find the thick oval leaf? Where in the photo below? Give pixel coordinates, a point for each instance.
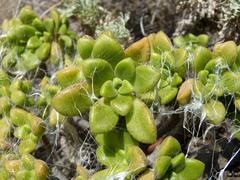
(28, 62)
(146, 78)
(161, 165)
(203, 76)
(126, 88)
(21, 33)
(167, 94)
(113, 147)
(137, 160)
(125, 70)
(175, 80)
(119, 139)
(148, 98)
(178, 162)
(118, 172)
(43, 51)
(201, 57)
(147, 175)
(180, 65)
(19, 117)
(68, 76)
(140, 123)
(73, 100)
(55, 53)
(97, 71)
(160, 42)
(107, 90)
(237, 103)
(85, 46)
(102, 118)
(111, 157)
(185, 92)
(27, 15)
(139, 51)
(4, 79)
(193, 170)
(231, 82)
(226, 50)
(214, 111)
(108, 49)
(169, 147)
(122, 104)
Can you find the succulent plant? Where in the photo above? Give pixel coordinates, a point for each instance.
(117, 88)
(35, 40)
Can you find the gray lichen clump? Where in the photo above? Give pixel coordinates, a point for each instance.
(52, 78)
(218, 18)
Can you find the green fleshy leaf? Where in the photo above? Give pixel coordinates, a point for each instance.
(119, 139)
(27, 145)
(18, 97)
(27, 15)
(161, 165)
(146, 78)
(167, 94)
(176, 80)
(111, 157)
(193, 169)
(107, 90)
(167, 60)
(202, 76)
(147, 175)
(215, 111)
(122, 104)
(139, 51)
(85, 46)
(102, 118)
(231, 82)
(97, 71)
(29, 62)
(73, 100)
(5, 105)
(125, 69)
(201, 57)
(161, 42)
(180, 65)
(140, 123)
(56, 18)
(117, 83)
(38, 24)
(43, 51)
(185, 92)
(214, 65)
(109, 49)
(21, 33)
(65, 41)
(126, 88)
(237, 103)
(33, 42)
(137, 160)
(68, 76)
(4, 79)
(169, 147)
(19, 116)
(178, 162)
(113, 147)
(49, 24)
(22, 132)
(227, 50)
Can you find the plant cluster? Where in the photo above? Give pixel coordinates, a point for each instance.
(48, 72)
(96, 19)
